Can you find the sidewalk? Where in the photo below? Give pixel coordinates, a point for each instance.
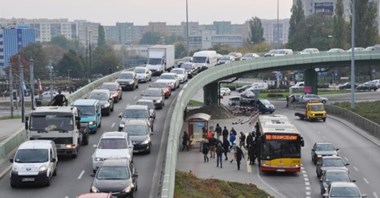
(192, 161)
(9, 126)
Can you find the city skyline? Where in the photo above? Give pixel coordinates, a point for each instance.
(172, 12)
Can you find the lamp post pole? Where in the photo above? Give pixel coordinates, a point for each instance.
(31, 70)
(278, 27)
(89, 49)
(187, 29)
(22, 84)
(353, 56)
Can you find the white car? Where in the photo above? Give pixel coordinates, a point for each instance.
(250, 56)
(309, 51)
(172, 78)
(298, 85)
(112, 145)
(225, 91)
(182, 74)
(143, 74)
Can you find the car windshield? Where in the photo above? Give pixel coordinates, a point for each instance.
(337, 176)
(178, 71)
(112, 143)
(86, 110)
(140, 70)
(325, 147)
(317, 107)
(333, 162)
(154, 61)
(187, 67)
(51, 122)
(134, 113)
(136, 130)
(344, 191)
(199, 59)
(171, 77)
(98, 96)
(113, 173)
(225, 58)
(125, 76)
(110, 87)
(32, 155)
(149, 104)
(153, 92)
(265, 102)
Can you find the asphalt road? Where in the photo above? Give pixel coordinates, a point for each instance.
(74, 175)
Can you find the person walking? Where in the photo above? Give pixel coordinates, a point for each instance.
(249, 140)
(242, 140)
(232, 138)
(185, 141)
(225, 132)
(239, 155)
(219, 154)
(218, 131)
(226, 146)
(212, 143)
(205, 149)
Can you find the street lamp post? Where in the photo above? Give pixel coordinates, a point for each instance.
(187, 30)
(89, 49)
(278, 25)
(22, 85)
(353, 56)
(31, 70)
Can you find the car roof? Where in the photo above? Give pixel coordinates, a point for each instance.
(94, 195)
(331, 157)
(36, 144)
(145, 100)
(113, 134)
(127, 72)
(168, 74)
(110, 83)
(343, 184)
(136, 122)
(85, 102)
(100, 91)
(335, 170)
(116, 162)
(136, 107)
(153, 88)
(323, 143)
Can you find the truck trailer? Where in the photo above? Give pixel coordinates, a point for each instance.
(160, 58)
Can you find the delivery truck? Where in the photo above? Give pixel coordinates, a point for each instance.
(160, 59)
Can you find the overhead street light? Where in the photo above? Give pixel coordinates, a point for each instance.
(353, 56)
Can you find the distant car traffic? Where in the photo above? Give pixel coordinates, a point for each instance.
(143, 74)
(155, 94)
(367, 86)
(115, 90)
(346, 85)
(330, 162)
(133, 112)
(243, 88)
(150, 104)
(225, 91)
(264, 106)
(310, 51)
(321, 149)
(139, 132)
(105, 99)
(343, 190)
(333, 175)
(172, 78)
(182, 74)
(164, 85)
(250, 56)
(128, 80)
(312, 97)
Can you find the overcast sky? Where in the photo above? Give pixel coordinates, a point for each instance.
(140, 12)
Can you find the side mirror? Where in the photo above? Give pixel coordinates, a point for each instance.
(347, 164)
(135, 175)
(53, 160)
(151, 133)
(353, 180)
(312, 149)
(92, 175)
(95, 146)
(119, 115)
(11, 160)
(26, 125)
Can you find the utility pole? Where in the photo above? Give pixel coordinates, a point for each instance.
(22, 84)
(89, 48)
(11, 88)
(278, 27)
(31, 69)
(353, 56)
(51, 79)
(187, 30)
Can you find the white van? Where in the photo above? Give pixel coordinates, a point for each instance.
(205, 59)
(35, 161)
(259, 86)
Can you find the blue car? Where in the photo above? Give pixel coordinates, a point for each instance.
(90, 113)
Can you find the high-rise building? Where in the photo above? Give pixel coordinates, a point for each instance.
(276, 33)
(12, 39)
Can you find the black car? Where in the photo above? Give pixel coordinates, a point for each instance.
(333, 175)
(117, 176)
(321, 149)
(367, 86)
(264, 106)
(155, 94)
(128, 80)
(346, 85)
(105, 99)
(139, 131)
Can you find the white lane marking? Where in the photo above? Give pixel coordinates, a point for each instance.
(375, 195)
(356, 168)
(269, 186)
(307, 183)
(346, 158)
(112, 125)
(366, 181)
(306, 179)
(81, 174)
(308, 188)
(308, 193)
(304, 175)
(249, 168)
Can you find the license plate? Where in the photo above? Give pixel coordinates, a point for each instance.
(280, 170)
(27, 179)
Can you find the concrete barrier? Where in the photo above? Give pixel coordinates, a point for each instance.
(12, 142)
(363, 123)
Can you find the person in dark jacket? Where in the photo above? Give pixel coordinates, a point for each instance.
(205, 150)
(226, 146)
(218, 131)
(249, 140)
(219, 155)
(225, 132)
(239, 155)
(242, 139)
(185, 141)
(59, 100)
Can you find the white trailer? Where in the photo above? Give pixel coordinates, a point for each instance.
(160, 58)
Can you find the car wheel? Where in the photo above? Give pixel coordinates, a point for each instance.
(48, 181)
(55, 170)
(13, 184)
(100, 124)
(112, 108)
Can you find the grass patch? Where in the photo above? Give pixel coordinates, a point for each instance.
(9, 117)
(194, 103)
(187, 185)
(369, 110)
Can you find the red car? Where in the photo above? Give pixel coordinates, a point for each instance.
(115, 90)
(164, 86)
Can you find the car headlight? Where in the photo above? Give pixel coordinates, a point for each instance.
(92, 123)
(319, 156)
(121, 125)
(128, 189)
(69, 146)
(158, 101)
(267, 106)
(15, 168)
(146, 141)
(107, 104)
(98, 159)
(43, 168)
(131, 82)
(94, 189)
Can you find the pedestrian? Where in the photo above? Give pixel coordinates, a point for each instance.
(232, 138)
(212, 143)
(218, 131)
(205, 150)
(233, 152)
(185, 141)
(233, 131)
(249, 140)
(242, 140)
(219, 154)
(225, 132)
(253, 153)
(238, 155)
(226, 146)
(59, 100)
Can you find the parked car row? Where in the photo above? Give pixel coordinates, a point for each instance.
(331, 169)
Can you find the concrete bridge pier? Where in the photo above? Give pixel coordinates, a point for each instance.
(311, 81)
(210, 94)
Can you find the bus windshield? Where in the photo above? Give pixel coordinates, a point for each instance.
(281, 149)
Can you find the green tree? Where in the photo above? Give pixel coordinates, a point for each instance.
(297, 26)
(70, 61)
(151, 38)
(340, 27)
(257, 30)
(64, 43)
(101, 37)
(319, 30)
(180, 50)
(366, 27)
(105, 60)
(36, 51)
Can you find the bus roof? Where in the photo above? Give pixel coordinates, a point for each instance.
(276, 124)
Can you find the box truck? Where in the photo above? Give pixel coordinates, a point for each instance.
(205, 59)
(160, 58)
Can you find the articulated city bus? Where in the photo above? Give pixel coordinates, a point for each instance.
(279, 144)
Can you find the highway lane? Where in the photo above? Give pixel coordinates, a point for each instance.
(74, 175)
(361, 153)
